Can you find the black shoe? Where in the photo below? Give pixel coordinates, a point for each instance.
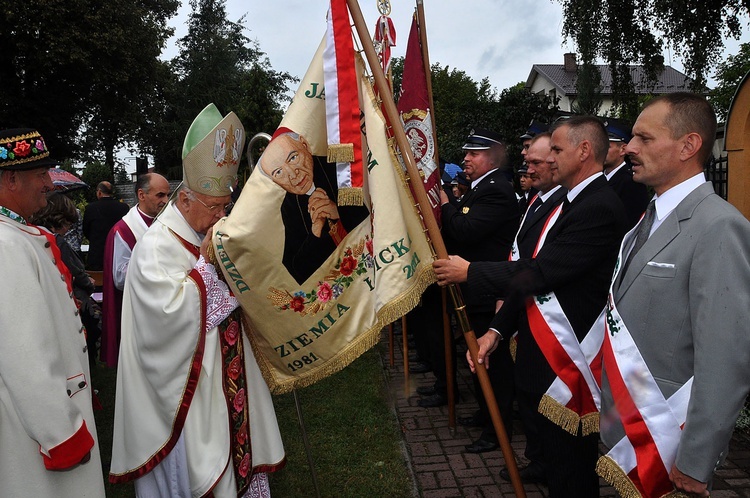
(471, 421)
(480, 446)
(532, 473)
(426, 390)
(419, 367)
(433, 401)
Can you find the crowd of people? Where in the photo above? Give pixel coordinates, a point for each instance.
(607, 294)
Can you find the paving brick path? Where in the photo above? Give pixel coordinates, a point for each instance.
(442, 468)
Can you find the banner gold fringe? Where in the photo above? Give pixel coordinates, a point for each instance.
(387, 314)
(513, 348)
(613, 474)
(608, 470)
(350, 196)
(341, 153)
(566, 418)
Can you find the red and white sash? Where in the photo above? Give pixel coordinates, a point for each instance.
(639, 464)
(573, 397)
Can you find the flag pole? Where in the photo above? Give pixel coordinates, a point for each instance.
(447, 331)
(437, 240)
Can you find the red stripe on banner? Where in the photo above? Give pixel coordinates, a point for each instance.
(653, 478)
(349, 129)
(582, 401)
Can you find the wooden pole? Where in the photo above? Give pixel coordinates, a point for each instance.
(390, 344)
(405, 351)
(447, 332)
(437, 240)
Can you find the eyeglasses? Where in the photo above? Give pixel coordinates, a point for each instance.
(226, 207)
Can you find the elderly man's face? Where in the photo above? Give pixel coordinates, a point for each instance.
(32, 187)
(289, 164)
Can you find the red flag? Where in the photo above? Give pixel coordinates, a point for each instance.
(414, 108)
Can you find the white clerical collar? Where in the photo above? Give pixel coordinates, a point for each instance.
(551, 191)
(612, 173)
(573, 193)
(668, 201)
(474, 183)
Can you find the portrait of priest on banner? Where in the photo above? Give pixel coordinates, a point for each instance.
(314, 225)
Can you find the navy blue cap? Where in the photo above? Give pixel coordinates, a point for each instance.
(534, 129)
(481, 139)
(523, 169)
(618, 130)
(460, 179)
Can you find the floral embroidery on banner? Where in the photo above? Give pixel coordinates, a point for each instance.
(235, 392)
(357, 260)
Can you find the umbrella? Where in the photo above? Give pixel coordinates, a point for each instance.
(452, 169)
(65, 181)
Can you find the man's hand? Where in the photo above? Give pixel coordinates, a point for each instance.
(321, 208)
(443, 197)
(206, 243)
(487, 344)
(687, 484)
(453, 270)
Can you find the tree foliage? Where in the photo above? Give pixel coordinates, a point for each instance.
(217, 64)
(462, 104)
(729, 74)
(627, 32)
(81, 71)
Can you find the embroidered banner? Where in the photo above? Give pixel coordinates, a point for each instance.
(414, 109)
(318, 281)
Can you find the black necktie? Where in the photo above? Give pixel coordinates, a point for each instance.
(535, 205)
(565, 206)
(644, 230)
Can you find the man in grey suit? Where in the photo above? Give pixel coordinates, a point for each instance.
(683, 297)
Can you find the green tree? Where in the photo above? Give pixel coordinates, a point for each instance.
(128, 74)
(462, 103)
(217, 64)
(93, 173)
(627, 32)
(729, 74)
(74, 65)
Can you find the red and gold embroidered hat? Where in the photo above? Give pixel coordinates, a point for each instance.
(24, 148)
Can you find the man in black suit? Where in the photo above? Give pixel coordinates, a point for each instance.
(575, 263)
(314, 225)
(634, 196)
(481, 228)
(508, 319)
(98, 218)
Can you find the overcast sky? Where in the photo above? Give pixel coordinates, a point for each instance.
(500, 39)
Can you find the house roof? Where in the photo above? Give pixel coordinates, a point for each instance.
(670, 80)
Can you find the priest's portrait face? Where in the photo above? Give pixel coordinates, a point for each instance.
(288, 162)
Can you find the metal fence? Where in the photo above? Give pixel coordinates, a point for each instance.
(717, 173)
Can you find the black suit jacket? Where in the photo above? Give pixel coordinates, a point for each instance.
(634, 196)
(303, 251)
(481, 227)
(576, 262)
(98, 218)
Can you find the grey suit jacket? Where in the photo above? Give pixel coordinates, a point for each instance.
(688, 314)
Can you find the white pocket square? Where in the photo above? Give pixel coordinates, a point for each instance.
(660, 265)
